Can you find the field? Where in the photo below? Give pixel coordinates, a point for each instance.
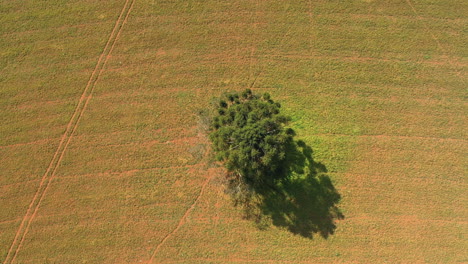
(103, 159)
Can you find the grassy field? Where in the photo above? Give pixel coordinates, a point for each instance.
(103, 159)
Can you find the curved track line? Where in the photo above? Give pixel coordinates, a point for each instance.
(181, 221)
(66, 138)
(425, 26)
(428, 29)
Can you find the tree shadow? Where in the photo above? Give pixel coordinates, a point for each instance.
(303, 199)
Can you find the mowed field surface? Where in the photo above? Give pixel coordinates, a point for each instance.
(103, 159)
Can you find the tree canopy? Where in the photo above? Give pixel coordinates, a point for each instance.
(249, 135)
(271, 175)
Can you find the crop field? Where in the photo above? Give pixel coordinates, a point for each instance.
(103, 158)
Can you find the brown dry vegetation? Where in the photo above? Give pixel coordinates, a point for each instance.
(377, 88)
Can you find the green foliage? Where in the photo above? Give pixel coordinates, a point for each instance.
(249, 136)
(273, 177)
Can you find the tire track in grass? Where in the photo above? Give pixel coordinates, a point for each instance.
(181, 221)
(441, 47)
(426, 26)
(67, 136)
(192, 206)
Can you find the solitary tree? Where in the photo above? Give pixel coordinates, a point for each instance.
(249, 136)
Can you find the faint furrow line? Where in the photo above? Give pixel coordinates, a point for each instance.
(396, 164)
(29, 32)
(18, 183)
(311, 17)
(108, 134)
(261, 70)
(10, 221)
(252, 50)
(402, 218)
(66, 138)
(94, 213)
(390, 136)
(176, 141)
(360, 59)
(391, 17)
(110, 173)
(241, 260)
(40, 141)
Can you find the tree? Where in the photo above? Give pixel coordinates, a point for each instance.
(248, 134)
(273, 177)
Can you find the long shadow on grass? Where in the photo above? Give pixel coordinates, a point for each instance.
(303, 200)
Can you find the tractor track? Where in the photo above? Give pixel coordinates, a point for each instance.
(67, 136)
